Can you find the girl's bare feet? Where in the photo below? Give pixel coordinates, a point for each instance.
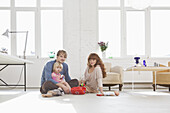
(55, 92)
(49, 94)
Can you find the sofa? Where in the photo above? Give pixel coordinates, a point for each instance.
(114, 76)
(162, 77)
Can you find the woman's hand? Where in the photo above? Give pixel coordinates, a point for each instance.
(101, 90)
(82, 82)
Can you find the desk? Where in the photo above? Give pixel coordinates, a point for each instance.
(148, 68)
(7, 60)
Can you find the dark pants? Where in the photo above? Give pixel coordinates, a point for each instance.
(48, 85)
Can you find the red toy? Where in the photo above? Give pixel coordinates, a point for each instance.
(78, 90)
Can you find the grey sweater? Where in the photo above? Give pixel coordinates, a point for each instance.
(93, 79)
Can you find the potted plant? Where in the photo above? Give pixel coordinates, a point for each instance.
(103, 47)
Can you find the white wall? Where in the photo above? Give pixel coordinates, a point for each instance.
(80, 39)
(80, 33)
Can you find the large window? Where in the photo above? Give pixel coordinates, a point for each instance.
(25, 22)
(135, 32)
(160, 33)
(43, 19)
(5, 42)
(109, 31)
(51, 26)
(143, 32)
(51, 31)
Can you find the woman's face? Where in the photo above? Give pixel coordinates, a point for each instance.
(92, 62)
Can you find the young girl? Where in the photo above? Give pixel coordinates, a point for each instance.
(93, 75)
(57, 68)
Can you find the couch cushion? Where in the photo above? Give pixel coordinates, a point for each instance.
(162, 78)
(107, 66)
(112, 78)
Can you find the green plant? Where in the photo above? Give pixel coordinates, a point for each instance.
(103, 46)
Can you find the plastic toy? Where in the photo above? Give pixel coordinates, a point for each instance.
(78, 90)
(82, 84)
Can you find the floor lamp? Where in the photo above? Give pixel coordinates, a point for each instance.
(26, 32)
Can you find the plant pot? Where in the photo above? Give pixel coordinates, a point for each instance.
(104, 54)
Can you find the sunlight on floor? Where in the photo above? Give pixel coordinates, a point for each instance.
(126, 102)
(30, 100)
(152, 93)
(10, 92)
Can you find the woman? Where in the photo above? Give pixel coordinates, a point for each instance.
(94, 73)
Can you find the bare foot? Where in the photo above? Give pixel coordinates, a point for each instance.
(116, 93)
(47, 95)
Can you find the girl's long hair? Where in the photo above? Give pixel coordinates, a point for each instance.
(98, 62)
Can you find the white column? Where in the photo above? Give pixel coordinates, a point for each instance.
(71, 35)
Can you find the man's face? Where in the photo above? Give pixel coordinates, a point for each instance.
(61, 58)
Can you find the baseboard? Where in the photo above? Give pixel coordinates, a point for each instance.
(22, 88)
(137, 85)
(138, 82)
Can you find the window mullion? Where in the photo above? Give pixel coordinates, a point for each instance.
(147, 33)
(123, 30)
(13, 27)
(38, 30)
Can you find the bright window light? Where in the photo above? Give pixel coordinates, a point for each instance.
(108, 3)
(51, 31)
(25, 3)
(135, 33)
(109, 31)
(161, 3)
(5, 24)
(51, 3)
(160, 35)
(26, 22)
(4, 3)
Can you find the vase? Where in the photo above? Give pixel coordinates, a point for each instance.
(104, 54)
(51, 54)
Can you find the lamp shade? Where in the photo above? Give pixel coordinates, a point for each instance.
(6, 33)
(26, 32)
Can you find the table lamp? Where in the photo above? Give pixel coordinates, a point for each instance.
(26, 32)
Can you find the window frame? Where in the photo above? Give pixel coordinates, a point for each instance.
(123, 30)
(37, 11)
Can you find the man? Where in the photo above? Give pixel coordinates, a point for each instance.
(47, 83)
